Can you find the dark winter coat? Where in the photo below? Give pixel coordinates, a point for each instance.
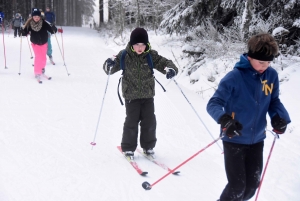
(39, 37)
(250, 96)
(138, 81)
(17, 22)
(1, 17)
(50, 17)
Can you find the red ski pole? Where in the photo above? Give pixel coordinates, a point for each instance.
(276, 136)
(4, 46)
(147, 186)
(62, 44)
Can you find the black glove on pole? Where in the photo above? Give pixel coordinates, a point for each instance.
(230, 127)
(109, 63)
(170, 73)
(278, 124)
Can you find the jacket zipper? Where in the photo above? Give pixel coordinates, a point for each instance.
(139, 67)
(256, 110)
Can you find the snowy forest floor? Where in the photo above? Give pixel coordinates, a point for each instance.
(46, 130)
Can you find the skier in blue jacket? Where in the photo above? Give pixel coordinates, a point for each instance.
(1, 17)
(240, 104)
(49, 16)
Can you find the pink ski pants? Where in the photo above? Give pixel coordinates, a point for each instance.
(40, 57)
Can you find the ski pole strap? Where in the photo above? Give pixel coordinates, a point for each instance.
(119, 92)
(122, 61)
(119, 89)
(150, 63)
(160, 84)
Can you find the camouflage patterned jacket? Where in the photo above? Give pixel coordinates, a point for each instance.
(138, 81)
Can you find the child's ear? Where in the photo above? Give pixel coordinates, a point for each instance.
(132, 49)
(148, 47)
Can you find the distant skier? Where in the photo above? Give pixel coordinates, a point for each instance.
(240, 104)
(138, 90)
(2, 19)
(17, 24)
(38, 29)
(49, 16)
(49, 47)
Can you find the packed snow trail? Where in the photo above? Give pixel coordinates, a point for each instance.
(46, 130)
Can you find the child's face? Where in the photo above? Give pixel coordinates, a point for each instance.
(139, 48)
(259, 66)
(36, 18)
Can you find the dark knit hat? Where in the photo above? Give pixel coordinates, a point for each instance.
(35, 12)
(139, 35)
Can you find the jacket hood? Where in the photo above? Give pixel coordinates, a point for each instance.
(243, 63)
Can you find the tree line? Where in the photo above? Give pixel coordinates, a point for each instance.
(68, 12)
(135, 13)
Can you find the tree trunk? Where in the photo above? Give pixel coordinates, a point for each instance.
(74, 14)
(138, 21)
(120, 17)
(32, 5)
(65, 12)
(101, 14)
(248, 17)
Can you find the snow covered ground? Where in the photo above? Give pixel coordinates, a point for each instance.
(46, 130)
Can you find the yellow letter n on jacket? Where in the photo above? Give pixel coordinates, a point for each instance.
(266, 88)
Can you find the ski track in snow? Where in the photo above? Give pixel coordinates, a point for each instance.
(46, 130)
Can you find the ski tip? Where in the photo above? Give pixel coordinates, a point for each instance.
(146, 185)
(144, 173)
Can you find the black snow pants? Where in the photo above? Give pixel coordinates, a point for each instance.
(17, 31)
(139, 111)
(243, 166)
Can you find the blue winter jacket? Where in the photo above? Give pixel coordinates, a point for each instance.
(50, 17)
(1, 17)
(248, 96)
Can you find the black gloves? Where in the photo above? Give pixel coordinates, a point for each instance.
(110, 63)
(230, 126)
(170, 73)
(278, 124)
(22, 33)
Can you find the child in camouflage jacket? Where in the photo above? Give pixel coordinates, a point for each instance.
(138, 89)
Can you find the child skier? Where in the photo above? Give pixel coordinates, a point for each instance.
(49, 16)
(2, 19)
(38, 29)
(17, 24)
(240, 104)
(49, 49)
(138, 91)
